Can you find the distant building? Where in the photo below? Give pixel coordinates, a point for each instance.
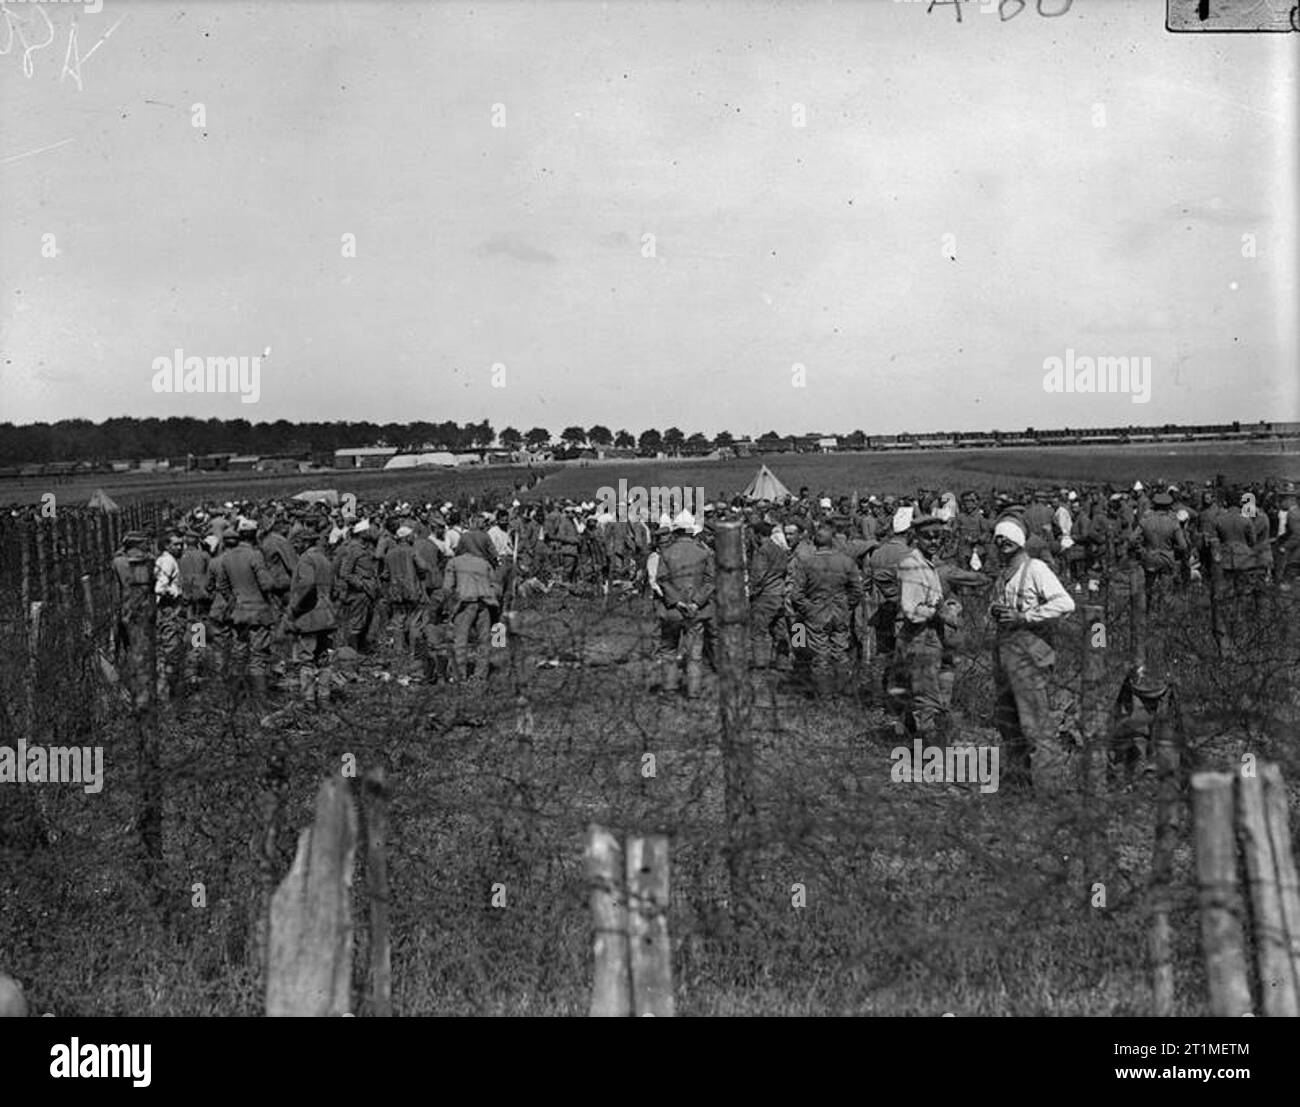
(243, 463)
(213, 463)
(280, 464)
(363, 457)
(829, 444)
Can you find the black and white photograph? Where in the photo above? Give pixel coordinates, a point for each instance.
(641, 508)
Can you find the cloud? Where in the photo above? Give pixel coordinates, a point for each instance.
(517, 248)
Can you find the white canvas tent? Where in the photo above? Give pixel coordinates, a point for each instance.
(766, 486)
(102, 500)
(316, 496)
(440, 459)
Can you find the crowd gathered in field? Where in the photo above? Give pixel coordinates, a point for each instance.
(844, 593)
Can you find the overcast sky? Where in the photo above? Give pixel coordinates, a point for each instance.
(524, 246)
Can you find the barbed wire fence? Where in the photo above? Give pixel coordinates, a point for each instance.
(804, 877)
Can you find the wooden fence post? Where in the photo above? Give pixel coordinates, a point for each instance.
(735, 702)
(34, 619)
(1279, 834)
(375, 796)
(1093, 725)
(611, 993)
(43, 557)
(88, 609)
(1162, 860)
(647, 926)
(524, 723)
(310, 961)
(1220, 898)
(1138, 615)
(25, 558)
(1277, 984)
(264, 848)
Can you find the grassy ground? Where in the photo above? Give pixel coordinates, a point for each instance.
(869, 472)
(920, 899)
(953, 470)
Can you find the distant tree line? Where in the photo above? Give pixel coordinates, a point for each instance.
(80, 439)
(128, 438)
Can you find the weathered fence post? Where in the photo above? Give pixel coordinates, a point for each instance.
(34, 618)
(265, 850)
(25, 558)
(523, 709)
(1279, 834)
(1220, 899)
(735, 702)
(629, 904)
(375, 796)
(1277, 984)
(1138, 615)
(647, 926)
(43, 557)
(1162, 860)
(310, 962)
(88, 609)
(611, 993)
(1093, 722)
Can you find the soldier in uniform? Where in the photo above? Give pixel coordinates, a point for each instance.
(280, 562)
(882, 570)
(312, 621)
(133, 605)
(196, 579)
(473, 593)
(243, 581)
(170, 598)
(685, 579)
(407, 576)
(356, 583)
(1028, 599)
(825, 588)
(973, 533)
(1288, 538)
(1234, 536)
(766, 596)
(1164, 548)
(923, 614)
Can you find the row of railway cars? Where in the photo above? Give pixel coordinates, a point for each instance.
(1112, 436)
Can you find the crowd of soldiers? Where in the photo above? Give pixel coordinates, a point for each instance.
(837, 588)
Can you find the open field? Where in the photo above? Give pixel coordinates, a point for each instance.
(906, 470)
(901, 471)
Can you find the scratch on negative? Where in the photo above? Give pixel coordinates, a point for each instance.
(29, 153)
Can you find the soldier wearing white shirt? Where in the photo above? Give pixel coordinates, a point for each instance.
(921, 624)
(1028, 599)
(171, 614)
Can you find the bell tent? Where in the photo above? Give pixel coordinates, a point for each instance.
(766, 486)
